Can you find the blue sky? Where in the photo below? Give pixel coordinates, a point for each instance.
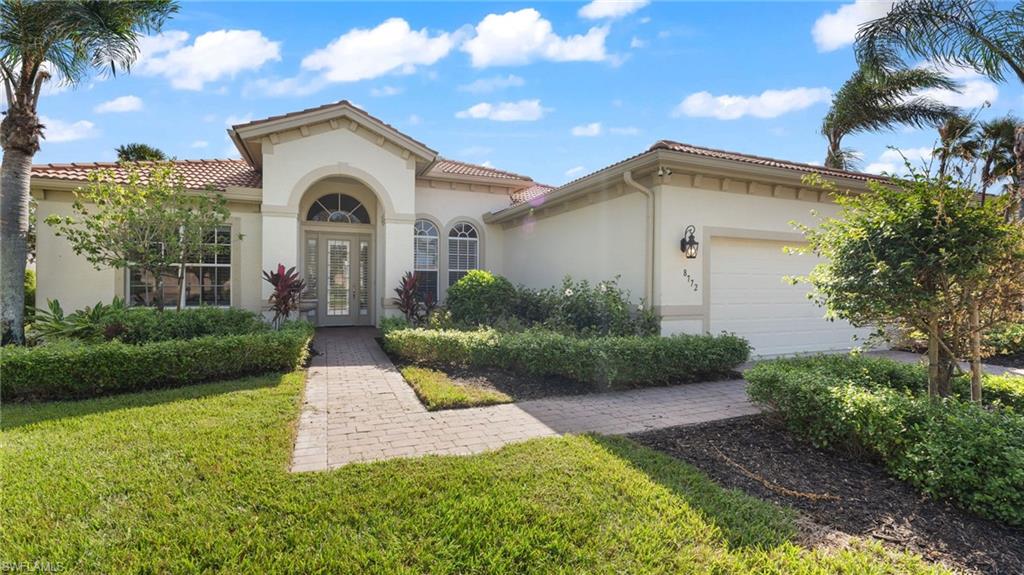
(552, 90)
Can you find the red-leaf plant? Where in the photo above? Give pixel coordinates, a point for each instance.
(409, 301)
(288, 288)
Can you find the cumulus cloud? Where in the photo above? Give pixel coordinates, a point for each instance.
(892, 161)
(837, 29)
(57, 131)
(391, 47)
(517, 38)
(975, 89)
(521, 111)
(492, 84)
(587, 130)
(120, 104)
(768, 104)
(211, 57)
(611, 9)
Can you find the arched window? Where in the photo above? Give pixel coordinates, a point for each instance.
(338, 208)
(425, 258)
(463, 251)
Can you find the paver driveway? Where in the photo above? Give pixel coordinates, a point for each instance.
(357, 407)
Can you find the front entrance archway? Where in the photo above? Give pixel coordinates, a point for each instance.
(338, 236)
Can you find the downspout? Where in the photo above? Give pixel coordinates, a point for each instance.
(627, 177)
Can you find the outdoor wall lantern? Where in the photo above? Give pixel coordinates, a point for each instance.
(689, 244)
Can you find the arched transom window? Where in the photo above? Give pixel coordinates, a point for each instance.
(338, 208)
(463, 251)
(425, 258)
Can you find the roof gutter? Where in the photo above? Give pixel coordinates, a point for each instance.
(649, 266)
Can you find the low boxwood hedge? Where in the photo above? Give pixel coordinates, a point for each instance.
(612, 362)
(143, 325)
(72, 370)
(949, 449)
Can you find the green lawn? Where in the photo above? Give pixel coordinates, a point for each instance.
(195, 480)
(437, 391)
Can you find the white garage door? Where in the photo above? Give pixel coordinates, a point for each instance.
(750, 298)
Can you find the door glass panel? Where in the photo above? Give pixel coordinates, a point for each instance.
(310, 262)
(364, 277)
(338, 265)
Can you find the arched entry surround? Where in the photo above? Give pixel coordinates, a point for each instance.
(340, 258)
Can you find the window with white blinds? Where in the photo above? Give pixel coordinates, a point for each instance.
(463, 251)
(426, 254)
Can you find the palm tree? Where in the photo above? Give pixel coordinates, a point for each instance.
(996, 154)
(873, 100)
(70, 39)
(136, 152)
(958, 140)
(969, 33)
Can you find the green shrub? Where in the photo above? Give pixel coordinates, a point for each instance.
(30, 293)
(612, 362)
(71, 370)
(391, 323)
(480, 298)
(604, 309)
(143, 325)
(1007, 340)
(949, 449)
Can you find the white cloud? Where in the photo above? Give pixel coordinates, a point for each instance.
(200, 144)
(975, 89)
(587, 130)
(385, 91)
(574, 171)
(521, 111)
(637, 43)
(362, 54)
(234, 120)
(516, 38)
(837, 29)
(624, 131)
(486, 85)
(892, 161)
(611, 9)
(415, 120)
(284, 87)
(211, 57)
(56, 130)
(769, 104)
(120, 104)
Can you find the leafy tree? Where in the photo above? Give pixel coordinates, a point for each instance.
(958, 140)
(39, 39)
(150, 223)
(873, 100)
(920, 253)
(136, 152)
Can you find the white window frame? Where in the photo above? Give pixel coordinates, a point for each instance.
(459, 235)
(422, 235)
(182, 297)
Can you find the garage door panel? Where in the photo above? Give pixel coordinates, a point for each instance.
(750, 297)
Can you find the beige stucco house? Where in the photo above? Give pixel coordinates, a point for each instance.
(354, 204)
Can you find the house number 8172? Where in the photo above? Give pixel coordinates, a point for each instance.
(690, 280)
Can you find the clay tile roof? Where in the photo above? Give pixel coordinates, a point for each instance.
(197, 174)
(526, 194)
(455, 167)
(761, 160)
(366, 114)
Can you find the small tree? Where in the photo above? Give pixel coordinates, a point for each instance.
(920, 253)
(150, 223)
(288, 288)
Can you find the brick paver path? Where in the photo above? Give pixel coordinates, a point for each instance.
(357, 407)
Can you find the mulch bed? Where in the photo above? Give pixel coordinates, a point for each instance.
(1016, 360)
(840, 494)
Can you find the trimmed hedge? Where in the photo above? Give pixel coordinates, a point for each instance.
(144, 325)
(612, 362)
(948, 449)
(73, 370)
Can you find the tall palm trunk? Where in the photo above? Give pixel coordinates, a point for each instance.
(1017, 210)
(20, 141)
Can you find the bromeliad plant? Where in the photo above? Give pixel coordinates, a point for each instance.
(288, 288)
(413, 304)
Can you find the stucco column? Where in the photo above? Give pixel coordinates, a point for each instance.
(280, 241)
(398, 258)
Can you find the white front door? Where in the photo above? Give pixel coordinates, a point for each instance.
(345, 292)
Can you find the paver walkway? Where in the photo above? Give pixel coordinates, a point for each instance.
(357, 407)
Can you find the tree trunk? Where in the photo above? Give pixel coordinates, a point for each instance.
(1018, 153)
(15, 172)
(933, 356)
(975, 353)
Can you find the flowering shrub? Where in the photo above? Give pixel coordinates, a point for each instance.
(602, 309)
